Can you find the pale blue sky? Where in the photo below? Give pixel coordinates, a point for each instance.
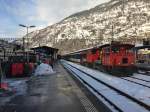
(40, 13)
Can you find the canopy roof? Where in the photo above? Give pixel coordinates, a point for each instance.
(45, 49)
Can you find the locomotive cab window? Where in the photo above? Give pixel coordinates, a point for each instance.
(130, 50)
(94, 51)
(107, 50)
(115, 49)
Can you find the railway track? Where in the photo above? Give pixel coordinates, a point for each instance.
(117, 99)
(137, 81)
(145, 80)
(142, 77)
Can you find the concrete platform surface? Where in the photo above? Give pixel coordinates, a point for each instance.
(52, 93)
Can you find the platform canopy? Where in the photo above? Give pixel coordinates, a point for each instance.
(45, 49)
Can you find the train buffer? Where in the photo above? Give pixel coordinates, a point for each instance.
(58, 92)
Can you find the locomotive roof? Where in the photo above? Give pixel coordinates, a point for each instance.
(125, 45)
(141, 47)
(78, 51)
(86, 49)
(45, 47)
(98, 47)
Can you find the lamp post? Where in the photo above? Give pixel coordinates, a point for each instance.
(27, 27)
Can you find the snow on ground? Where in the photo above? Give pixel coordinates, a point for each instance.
(44, 69)
(19, 86)
(16, 86)
(122, 102)
(137, 91)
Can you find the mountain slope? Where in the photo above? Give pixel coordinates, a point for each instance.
(121, 19)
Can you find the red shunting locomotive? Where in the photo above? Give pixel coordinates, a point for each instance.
(115, 58)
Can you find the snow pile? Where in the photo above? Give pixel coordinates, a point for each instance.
(44, 69)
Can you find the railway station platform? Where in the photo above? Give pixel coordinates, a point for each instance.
(57, 92)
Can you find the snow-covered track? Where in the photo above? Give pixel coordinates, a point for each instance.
(141, 76)
(120, 100)
(146, 74)
(140, 79)
(137, 81)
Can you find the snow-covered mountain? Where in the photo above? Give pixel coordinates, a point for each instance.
(124, 20)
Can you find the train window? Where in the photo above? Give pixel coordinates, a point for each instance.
(84, 55)
(94, 51)
(107, 50)
(124, 60)
(76, 56)
(115, 49)
(130, 50)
